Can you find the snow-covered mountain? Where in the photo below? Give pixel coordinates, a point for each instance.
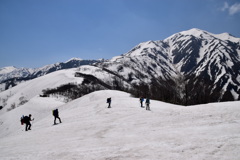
(12, 72)
(212, 59)
(11, 76)
(198, 62)
(189, 67)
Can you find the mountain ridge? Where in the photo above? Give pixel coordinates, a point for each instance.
(193, 66)
(13, 76)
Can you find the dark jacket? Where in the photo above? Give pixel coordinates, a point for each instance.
(27, 119)
(55, 113)
(109, 100)
(147, 101)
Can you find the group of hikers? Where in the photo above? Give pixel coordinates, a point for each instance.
(55, 113)
(27, 119)
(147, 102)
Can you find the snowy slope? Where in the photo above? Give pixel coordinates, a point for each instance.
(142, 63)
(29, 89)
(32, 88)
(126, 131)
(12, 76)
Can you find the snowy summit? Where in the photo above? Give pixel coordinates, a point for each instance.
(74, 59)
(6, 70)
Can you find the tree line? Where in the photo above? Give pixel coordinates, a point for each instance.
(182, 91)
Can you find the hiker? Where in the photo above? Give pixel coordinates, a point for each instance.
(147, 104)
(27, 120)
(56, 116)
(109, 100)
(141, 101)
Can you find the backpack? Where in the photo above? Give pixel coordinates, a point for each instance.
(55, 112)
(147, 101)
(23, 119)
(108, 100)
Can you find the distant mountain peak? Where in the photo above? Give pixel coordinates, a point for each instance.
(193, 31)
(206, 35)
(74, 59)
(7, 69)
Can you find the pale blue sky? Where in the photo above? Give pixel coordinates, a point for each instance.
(34, 33)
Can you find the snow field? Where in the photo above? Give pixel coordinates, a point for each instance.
(34, 87)
(126, 131)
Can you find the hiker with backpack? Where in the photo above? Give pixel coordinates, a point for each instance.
(141, 101)
(147, 104)
(109, 100)
(26, 120)
(56, 116)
